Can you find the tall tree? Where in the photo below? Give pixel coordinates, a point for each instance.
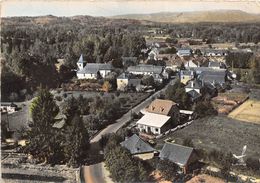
(76, 141)
(43, 145)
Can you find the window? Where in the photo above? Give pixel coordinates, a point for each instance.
(157, 129)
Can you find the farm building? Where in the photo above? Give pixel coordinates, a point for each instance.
(138, 147)
(183, 156)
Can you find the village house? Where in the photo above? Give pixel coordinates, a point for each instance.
(163, 107)
(216, 65)
(193, 85)
(174, 64)
(213, 77)
(183, 156)
(184, 52)
(153, 54)
(138, 147)
(8, 108)
(191, 64)
(186, 75)
(193, 89)
(156, 71)
(142, 69)
(92, 70)
(127, 81)
(159, 116)
(214, 53)
(152, 123)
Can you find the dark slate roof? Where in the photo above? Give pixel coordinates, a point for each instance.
(213, 76)
(136, 145)
(176, 153)
(145, 68)
(196, 84)
(187, 72)
(199, 70)
(81, 59)
(184, 51)
(213, 64)
(219, 52)
(194, 94)
(93, 68)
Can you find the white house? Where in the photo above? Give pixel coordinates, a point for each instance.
(154, 123)
(153, 54)
(145, 69)
(92, 70)
(193, 85)
(184, 52)
(191, 64)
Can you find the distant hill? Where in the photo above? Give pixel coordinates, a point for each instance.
(195, 17)
(84, 20)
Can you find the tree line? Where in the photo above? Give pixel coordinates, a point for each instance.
(30, 50)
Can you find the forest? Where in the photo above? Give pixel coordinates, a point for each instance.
(31, 46)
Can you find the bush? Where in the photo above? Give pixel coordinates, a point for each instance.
(58, 98)
(188, 142)
(204, 108)
(122, 166)
(253, 164)
(65, 95)
(168, 169)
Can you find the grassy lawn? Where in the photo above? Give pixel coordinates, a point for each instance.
(221, 133)
(248, 111)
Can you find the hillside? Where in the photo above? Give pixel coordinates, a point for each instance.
(194, 17)
(79, 20)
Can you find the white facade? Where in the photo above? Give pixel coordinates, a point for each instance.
(192, 87)
(189, 89)
(103, 74)
(80, 65)
(190, 64)
(153, 123)
(149, 129)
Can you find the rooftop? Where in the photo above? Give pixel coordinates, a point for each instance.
(194, 94)
(176, 153)
(160, 106)
(136, 145)
(146, 68)
(196, 84)
(93, 68)
(81, 60)
(154, 120)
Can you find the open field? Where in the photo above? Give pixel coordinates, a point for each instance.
(249, 111)
(221, 133)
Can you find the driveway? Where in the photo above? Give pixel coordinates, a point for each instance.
(94, 173)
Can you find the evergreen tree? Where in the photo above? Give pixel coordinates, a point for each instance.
(76, 141)
(43, 145)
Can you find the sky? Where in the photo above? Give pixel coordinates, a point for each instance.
(119, 7)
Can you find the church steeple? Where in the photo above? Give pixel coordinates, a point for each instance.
(81, 63)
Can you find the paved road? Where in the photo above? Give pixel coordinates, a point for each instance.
(127, 117)
(93, 173)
